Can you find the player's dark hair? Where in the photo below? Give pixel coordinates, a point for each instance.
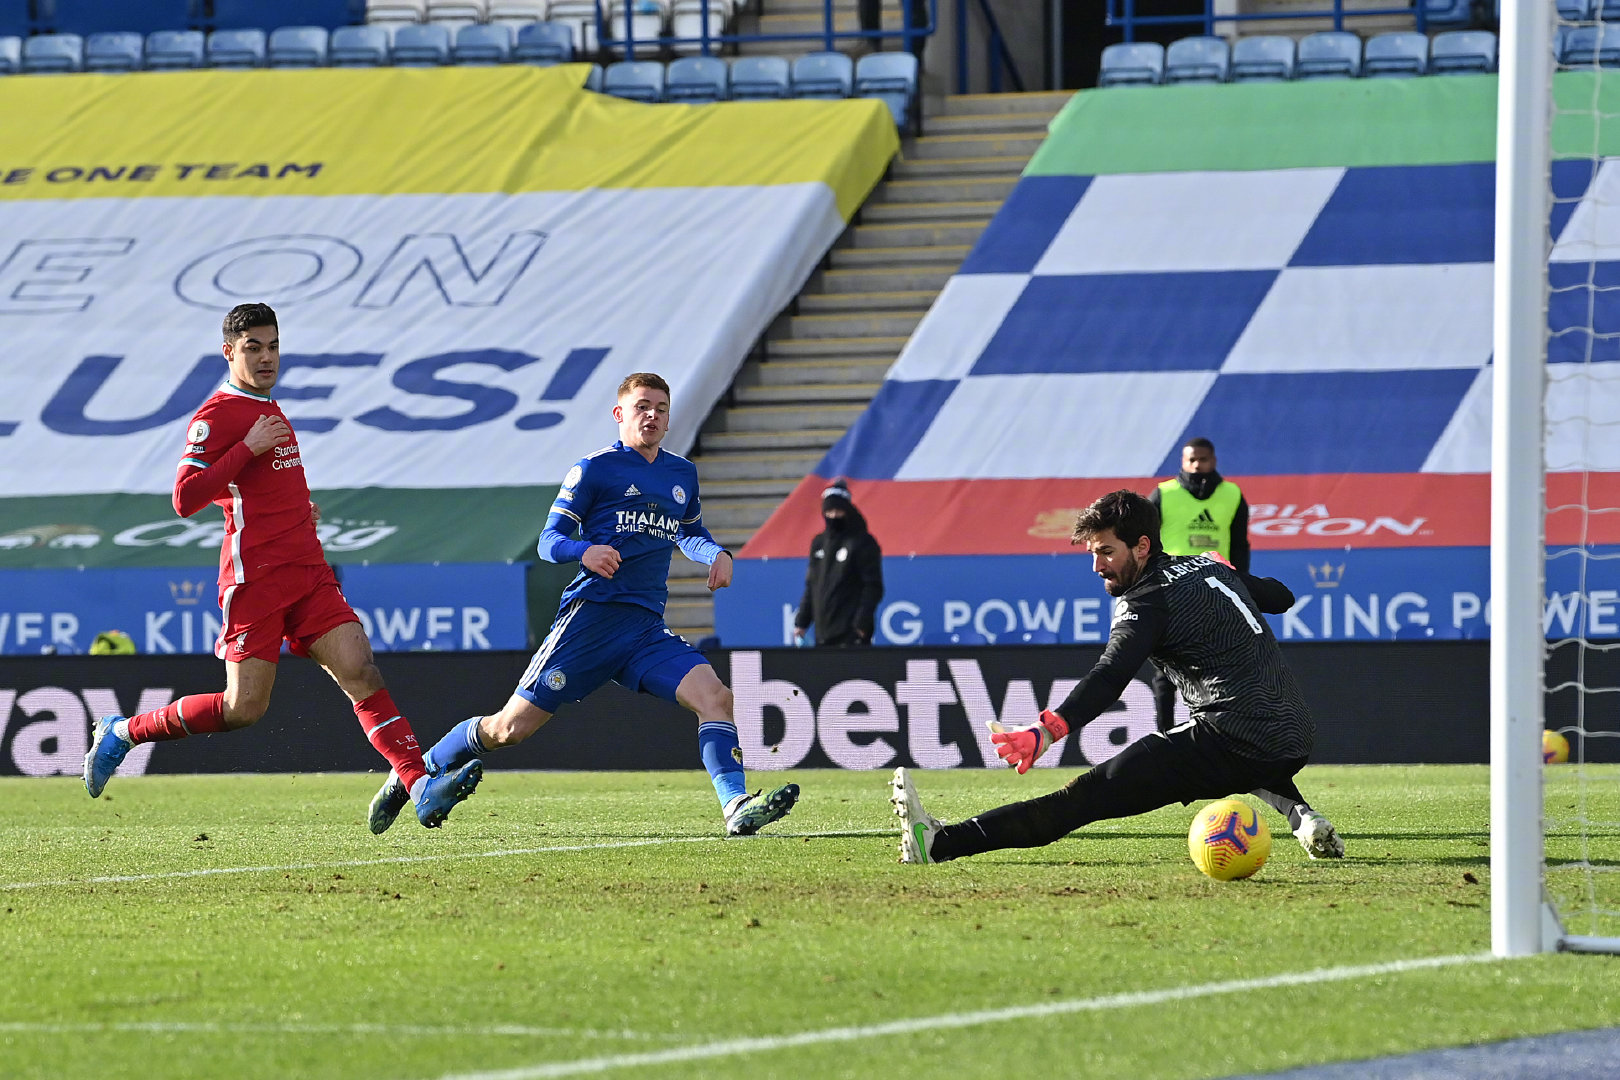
(1199, 443)
(643, 378)
(1126, 514)
(244, 317)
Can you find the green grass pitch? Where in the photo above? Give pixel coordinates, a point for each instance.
(472, 952)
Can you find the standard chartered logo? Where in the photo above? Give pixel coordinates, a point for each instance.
(336, 534)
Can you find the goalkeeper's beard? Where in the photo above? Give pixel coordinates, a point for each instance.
(1117, 586)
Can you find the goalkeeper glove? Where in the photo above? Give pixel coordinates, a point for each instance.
(1022, 747)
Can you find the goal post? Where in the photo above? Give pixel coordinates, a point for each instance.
(1519, 338)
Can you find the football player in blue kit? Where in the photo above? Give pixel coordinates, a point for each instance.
(633, 503)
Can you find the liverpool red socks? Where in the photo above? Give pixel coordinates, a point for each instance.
(199, 714)
(391, 734)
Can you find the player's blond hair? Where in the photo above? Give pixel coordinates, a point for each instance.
(643, 378)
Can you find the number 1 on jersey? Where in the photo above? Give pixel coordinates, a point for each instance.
(1243, 609)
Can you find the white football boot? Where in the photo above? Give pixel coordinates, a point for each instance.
(917, 826)
(1318, 837)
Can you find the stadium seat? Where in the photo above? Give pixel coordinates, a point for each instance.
(1197, 60)
(10, 55)
(51, 54)
(114, 51)
(516, 13)
(646, 24)
(1134, 63)
(579, 16)
(635, 80)
(593, 80)
(759, 78)
(236, 49)
(696, 80)
(1462, 52)
(479, 44)
(456, 15)
(1329, 54)
(1606, 10)
(828, 75)
(686, 21)
(174, 50)
(890, 77)
(1588, 46)
(1448, 12)
(1396, 55)
(396, 11)
(359, 46)
(1573, 10)
(421, 45)
(544, 43)
(85, 17)
(1262, 59)
(259, 14)
(298, 47)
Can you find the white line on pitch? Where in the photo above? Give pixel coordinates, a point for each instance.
(204, 1027)
(732, 1047)
(166, 875)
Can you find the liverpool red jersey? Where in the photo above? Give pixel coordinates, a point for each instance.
(265, 498)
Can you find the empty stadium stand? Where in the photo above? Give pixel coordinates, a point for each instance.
(822, 361)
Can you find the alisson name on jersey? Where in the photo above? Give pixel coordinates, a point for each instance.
(662, 526)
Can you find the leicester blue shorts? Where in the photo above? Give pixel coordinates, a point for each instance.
(593, 642)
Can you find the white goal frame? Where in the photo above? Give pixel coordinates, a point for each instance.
(1522, 921)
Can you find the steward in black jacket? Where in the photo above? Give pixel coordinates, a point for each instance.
(844, 582)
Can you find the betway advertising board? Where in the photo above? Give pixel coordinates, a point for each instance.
(1300, 273)
(465, 264)
(471, 606)
(1374, 703)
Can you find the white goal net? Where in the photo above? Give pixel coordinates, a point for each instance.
(1556, 483)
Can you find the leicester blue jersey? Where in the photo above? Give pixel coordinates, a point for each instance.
(643, 508)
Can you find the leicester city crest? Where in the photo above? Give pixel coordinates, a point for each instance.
(556, 679)
(680, 494)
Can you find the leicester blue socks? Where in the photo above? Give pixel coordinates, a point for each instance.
(459, 746)
(722, 756)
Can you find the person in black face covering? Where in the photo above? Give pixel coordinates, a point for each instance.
(844, 583)
(1199, 511)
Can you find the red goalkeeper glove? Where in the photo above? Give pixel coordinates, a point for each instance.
(1022, 747)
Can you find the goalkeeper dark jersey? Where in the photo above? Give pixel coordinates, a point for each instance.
(1200, 621)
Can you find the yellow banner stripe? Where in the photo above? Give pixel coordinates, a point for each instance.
(412, 131)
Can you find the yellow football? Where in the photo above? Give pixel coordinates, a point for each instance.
(1554, 748)
(1229, 840)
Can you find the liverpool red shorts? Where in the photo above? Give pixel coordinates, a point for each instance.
(293, 603)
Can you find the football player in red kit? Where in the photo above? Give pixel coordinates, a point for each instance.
(274, 581)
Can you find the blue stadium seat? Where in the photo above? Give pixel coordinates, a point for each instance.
(696, 79)
(16, 21)
(1572, 10)
(1588, 46)
(174, 50)
(593, 80)
(359, 46)
(421, 45)
(236, 49)
(98, 16)
(1606, 10)
(1329, 54)
(298, 47)
(828, 75)
(1396, 55)
(1197, 59)
(114, 51)
(1462, 52)
(50, 54)
(250, 14)
(481, 44)
(1448, 12)
(544, 43)
(1132, 63)
(1262, 59)
(759, 78)
(635, 80)
(890, 77)
(10, 54)
(455, 15)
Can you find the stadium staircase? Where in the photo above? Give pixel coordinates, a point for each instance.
(823, 360)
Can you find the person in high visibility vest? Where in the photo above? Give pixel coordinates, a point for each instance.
(1199, 511)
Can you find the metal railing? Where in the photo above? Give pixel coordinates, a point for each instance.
(997, 57)
(1122, 13)
(908, 34)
